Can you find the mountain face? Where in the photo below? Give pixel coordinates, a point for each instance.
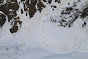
(57, 25)
(9, 8)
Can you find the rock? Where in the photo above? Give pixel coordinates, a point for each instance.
(14, 29)
(2, 19)
(40, 5)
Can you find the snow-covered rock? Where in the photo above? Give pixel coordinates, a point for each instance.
(60, 26)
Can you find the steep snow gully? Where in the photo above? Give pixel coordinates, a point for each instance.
(58, 26)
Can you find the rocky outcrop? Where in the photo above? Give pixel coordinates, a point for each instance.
(2, 19)
(11, 7)
(30, 7)
(70, 14)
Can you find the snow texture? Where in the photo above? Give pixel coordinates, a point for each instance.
(43, 36)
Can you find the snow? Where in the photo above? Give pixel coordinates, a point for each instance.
(39, 53)
(37, 39)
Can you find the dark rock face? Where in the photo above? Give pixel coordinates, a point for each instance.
(49, 1)
(84, 13)
(40, 5)
(44, 0)
(1, 1)
(2, 19)
(58, 1)
(14, 29)
(31, 8)
(9, 9)
(10, 6)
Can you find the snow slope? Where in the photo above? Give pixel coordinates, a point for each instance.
(38, 37)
